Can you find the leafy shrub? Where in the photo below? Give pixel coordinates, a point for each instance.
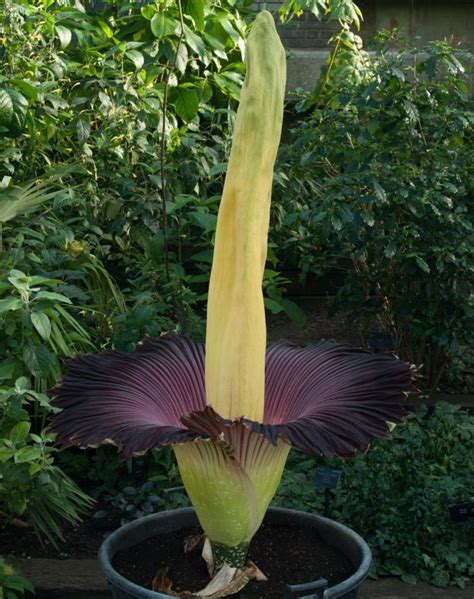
(33, 491)
(142, 99)
(146, 499)
(396, 496)
(380, 184)
(144, 109)
(37, 329)
(12, 584)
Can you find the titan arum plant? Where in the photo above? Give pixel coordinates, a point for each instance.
(233, 410)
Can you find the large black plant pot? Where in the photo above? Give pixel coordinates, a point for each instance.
(342, 538)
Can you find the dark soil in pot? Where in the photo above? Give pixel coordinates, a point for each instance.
(286, 555)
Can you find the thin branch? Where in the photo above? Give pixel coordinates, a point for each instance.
(171, 68)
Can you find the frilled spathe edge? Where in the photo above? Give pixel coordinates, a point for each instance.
(135, 399)
(325, 399)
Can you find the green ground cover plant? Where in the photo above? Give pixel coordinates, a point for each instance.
(12, 583)
(33, 490)
(396, 496)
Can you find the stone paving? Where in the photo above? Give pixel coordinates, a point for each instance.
(394, 588)
(82, 579)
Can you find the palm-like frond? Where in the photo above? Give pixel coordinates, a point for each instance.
(23, 199)
(56, 499)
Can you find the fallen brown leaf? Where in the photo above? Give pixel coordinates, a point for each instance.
(191, 543)
(254, 572)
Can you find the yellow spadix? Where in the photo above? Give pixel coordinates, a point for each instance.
(236, 332)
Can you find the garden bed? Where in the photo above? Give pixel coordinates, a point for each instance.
(82, 542)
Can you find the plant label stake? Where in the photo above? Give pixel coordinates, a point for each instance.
(308, 590)
(327, 479)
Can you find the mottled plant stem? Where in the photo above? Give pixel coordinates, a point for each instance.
(236, 557)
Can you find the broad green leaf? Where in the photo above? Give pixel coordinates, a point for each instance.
(162, 26)
(195, 42)
(27, 454)
(6, 108)
(42, 324)
(37, 280)
(19, 280)
(227, 85)
(294, 312)
(411, 110)
(227, 27)
(19, 432)
(136, 57)
(6, 371)
(274, 306)
(217, 169)
(17, 122)
(182, 58)
(30, 91)
(205, 220)
(148, 11)
(54, 297)
(105, 28)
(18, 503)
(64, 35)
(422, 264)
(10, 303)
(186, 103)
(18, 583)
(38, 360)
(21, 384)
(195, 9)
(205, 256)
(380, 191)
(83, 129)
(5, 454)
(219, 48)
(34, 469)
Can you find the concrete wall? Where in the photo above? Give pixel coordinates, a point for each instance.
(420, 20)
(427, 20)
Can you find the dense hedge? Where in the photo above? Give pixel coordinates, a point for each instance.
(379, 182)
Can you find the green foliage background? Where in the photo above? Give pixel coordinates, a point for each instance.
(378, 182)
(397, 494)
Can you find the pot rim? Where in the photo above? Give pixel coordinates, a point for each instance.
(105, 554)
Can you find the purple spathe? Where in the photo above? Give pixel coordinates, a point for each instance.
(325, 398)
